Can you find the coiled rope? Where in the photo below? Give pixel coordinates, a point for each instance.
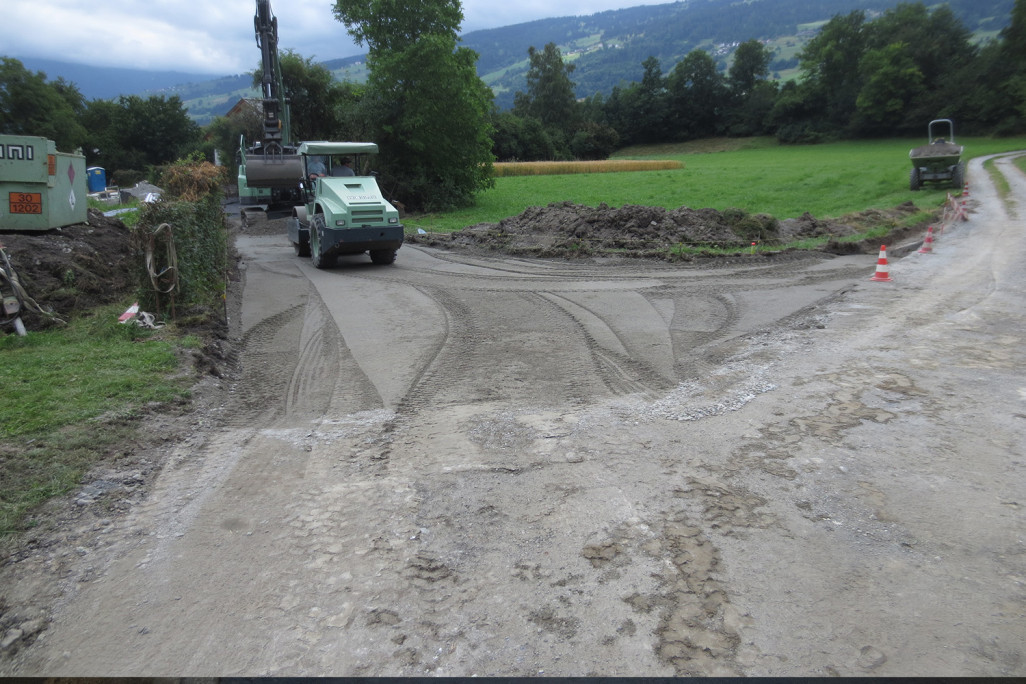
(170, 270)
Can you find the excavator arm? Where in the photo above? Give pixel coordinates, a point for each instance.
(277, 126)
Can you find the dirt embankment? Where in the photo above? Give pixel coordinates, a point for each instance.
(567, 230)
(74, 268)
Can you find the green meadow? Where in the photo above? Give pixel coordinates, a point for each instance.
(757, 175)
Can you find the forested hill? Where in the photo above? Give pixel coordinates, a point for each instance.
(608, 48)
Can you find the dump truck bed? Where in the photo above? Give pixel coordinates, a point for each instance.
(933, 150)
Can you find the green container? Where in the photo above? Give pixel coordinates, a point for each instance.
(40, 188)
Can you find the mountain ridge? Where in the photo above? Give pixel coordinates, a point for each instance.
(607, 48)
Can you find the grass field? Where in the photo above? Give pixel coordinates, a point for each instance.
(69, 398)
(757, 175)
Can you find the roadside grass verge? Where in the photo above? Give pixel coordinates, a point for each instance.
(70, 397)
(879, 232)
(757, 175)
(998, 179)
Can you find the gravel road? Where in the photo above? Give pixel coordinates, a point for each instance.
(464, 465)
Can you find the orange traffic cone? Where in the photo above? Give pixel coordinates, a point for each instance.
(927, 247)
(965, 190)
(881, 266)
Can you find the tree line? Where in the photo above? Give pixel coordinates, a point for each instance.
(859, 77)
(439, 130)
(127, 136)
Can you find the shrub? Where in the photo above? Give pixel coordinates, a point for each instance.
(192, 180)
(183, 244)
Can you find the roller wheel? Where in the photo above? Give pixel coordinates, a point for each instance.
(316, 258)
(382, 257)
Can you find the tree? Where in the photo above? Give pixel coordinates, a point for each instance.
(594, 141)
(931, 42)
(429, 108)
(517, 138)
(136, 133)
(831, 79)
(311, 92)
(994, 84)
(697, 97)
(29, 105)
(393, 25)
(750, 65)
(223, 133)
(1013, 56)
(892, 83)
(550, 92)
(652, 103)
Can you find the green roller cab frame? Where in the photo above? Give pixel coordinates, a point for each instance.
(345, 212)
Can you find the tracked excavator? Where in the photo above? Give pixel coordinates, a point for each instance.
(270, 170)
(336, 206)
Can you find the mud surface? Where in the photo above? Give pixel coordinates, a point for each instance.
(74, 268)
(568, 230)
(473, 462)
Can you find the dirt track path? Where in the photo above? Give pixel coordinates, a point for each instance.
(460, 465)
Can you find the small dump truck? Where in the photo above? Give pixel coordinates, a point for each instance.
(939, 160)
(344, 211)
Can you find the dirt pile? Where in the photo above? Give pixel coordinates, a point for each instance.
(73, 268)
(565, 229)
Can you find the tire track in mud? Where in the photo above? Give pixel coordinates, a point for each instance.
(293, 365)
(690, 341)
(615, 363)
(536, 274)
(759, 264)
(576, 368)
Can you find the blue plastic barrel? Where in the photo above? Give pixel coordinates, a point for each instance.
(97, 178)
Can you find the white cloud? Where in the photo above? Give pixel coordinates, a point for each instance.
(212, 37)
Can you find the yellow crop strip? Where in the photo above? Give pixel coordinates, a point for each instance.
(553, 168)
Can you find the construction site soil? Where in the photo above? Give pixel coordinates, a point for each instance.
(75, 268)
(568, 230)
(596, 356)
(80, 267)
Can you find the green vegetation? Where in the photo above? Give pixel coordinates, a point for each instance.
(186, 236)
(426, 107)
(757, 175)
(69, 399)
(129, 218)
(71, 394)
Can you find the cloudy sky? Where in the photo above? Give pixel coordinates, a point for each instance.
(216, 36)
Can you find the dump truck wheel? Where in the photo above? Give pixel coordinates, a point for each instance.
(914, 181)
(382, 257)
(958, 177)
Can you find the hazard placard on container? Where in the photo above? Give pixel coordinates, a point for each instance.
(26, 202)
